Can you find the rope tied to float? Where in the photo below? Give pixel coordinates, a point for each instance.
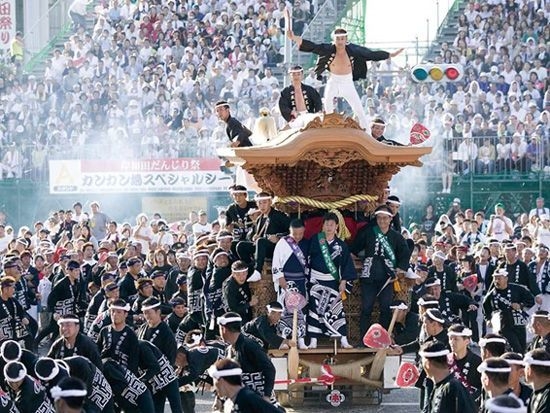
(325, 204)
(332, 206)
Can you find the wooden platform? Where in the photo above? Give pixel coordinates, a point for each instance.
(325, 350)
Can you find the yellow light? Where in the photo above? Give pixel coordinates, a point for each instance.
(436, 73)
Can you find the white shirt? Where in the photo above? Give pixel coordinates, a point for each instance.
(199, 228)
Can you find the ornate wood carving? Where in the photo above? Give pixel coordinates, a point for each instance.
(332, 120)
(332, 158)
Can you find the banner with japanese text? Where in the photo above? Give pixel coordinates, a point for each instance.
(7, 23)
(135, 176)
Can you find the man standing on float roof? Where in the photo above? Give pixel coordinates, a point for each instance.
(346, 62)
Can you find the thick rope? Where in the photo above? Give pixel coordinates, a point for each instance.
(325, 204)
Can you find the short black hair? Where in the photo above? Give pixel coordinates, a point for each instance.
(296, 223)
(330, 216)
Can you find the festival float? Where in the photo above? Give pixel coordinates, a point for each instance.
(330, 164)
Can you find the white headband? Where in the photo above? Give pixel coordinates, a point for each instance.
(150, 307)
(262, 198)
(238, 191)
(464, 333)
(224, 237)
(435, 318)
(532, 361)
(277, 310)
(238, 271)
(382, 212)
(421, 301)
(379, 124)
(483, 367)
(391, 201)
(54, 372)
(336, 35)
(3, 348)
(515, 362)
(434, 354)
(58, 393)
(493, 407)
(118, 307)
(221, 105)
(219, 254)
(200, 254)
(436, 282)
(485, 341)
(401, 306)
(22, 372)
(226, 320)
(216, 374)
(62, 320)
(502, 272)
(295, 70)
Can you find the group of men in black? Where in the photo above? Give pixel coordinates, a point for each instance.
(142, 339)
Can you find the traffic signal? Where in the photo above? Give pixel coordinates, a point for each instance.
(433, 72)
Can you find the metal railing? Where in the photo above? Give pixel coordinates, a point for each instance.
(486, 157)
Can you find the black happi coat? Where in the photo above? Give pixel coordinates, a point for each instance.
(501, 300)
(83, 346)
(287, 101)
(32, 398)
(237, 298)
(450, 396)
(253, 359)
(248, 401)
(261, 328)
(162, 337)
(240, 219)
(465, 371)
(540, 400)
(377, 266)
(100, 393)
(120, 346)
(358, 56)
(237, 132)
(199, 359)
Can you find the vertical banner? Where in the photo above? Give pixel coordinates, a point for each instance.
(7, 23)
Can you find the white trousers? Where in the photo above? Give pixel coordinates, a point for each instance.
(342, 86)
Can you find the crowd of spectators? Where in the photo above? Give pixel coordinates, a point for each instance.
(142, 79)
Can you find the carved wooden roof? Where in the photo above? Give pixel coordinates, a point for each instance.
(330, 141)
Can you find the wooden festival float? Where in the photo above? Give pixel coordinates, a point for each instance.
(331, 163)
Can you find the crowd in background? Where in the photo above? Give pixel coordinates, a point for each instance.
(142, 77)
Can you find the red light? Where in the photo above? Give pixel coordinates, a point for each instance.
(452, 73)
